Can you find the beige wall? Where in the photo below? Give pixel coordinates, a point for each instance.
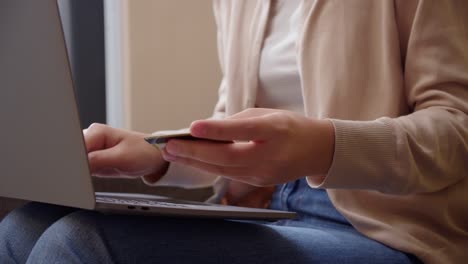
(174, 72)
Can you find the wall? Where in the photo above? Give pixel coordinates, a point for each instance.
(173, 73)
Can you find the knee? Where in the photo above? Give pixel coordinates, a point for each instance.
(10, 238)
(20, 230)
(10, 223)
(17, 218)
(69, 232)
(74, 238)
(29, 221)
(21, 225)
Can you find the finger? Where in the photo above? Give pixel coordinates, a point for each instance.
(99, 136)
(258, 198)
(234, 197)
(241, 194)
(254, 112)
(93, 140)
(235, 173)
(237, 189)
(224, 201)
(222, 154)
(107, 173)
(244, 129)
(102, 159)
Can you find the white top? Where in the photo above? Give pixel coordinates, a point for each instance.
(279, 82)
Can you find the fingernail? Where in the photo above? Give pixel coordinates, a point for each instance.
(198, 130)
(169, 157)
(172, 148)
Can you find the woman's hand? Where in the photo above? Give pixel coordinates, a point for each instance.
(119, 153)
(269, 147)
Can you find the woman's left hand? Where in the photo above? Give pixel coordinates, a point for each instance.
(261, 147)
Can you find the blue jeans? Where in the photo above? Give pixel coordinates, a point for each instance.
(40, 233)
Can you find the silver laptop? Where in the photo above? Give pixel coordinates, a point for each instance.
(42, 153)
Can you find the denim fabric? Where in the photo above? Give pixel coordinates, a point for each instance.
(313, 207)
(39, 233)
(20, 230)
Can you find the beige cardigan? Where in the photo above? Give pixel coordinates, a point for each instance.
(393, 78)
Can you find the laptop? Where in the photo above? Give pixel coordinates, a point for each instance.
(42, 151)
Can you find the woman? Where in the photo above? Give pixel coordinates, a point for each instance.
(355, 110)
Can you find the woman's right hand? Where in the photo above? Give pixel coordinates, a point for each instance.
(116, 152)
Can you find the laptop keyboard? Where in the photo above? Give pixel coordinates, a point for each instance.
(139, 202)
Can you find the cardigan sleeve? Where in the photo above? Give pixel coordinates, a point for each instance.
(427, 150)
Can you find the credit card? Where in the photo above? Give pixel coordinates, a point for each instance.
(160, 139)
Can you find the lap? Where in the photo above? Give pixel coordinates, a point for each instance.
(20, 229)
(97, 238)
